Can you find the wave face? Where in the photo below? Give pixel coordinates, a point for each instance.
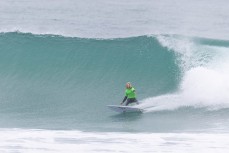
(56, 82)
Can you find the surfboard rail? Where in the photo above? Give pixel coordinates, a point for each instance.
(124, 109)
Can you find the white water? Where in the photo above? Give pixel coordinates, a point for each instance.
(205, 79)
(48, 141)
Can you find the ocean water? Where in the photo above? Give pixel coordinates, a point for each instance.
(62, 62)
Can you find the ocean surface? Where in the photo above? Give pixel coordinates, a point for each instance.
(63, 62)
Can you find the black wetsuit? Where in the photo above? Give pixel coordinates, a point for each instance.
(130, 100)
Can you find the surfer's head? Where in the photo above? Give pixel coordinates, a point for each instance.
(128, 85)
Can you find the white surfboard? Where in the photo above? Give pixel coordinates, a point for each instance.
(123, 109)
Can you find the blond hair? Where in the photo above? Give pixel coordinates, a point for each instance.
(129, 84)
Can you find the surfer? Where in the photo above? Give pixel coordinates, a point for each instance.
(130, 96)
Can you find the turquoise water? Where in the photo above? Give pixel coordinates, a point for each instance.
(56, 82)
(53, 78)
(63, 62)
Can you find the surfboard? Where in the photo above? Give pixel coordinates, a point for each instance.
(124, 109)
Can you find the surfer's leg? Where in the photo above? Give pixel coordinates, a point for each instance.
(131, 100)
(128, 101)
(135, 101)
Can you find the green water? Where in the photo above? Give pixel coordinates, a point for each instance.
(55, 82)
(51, 78)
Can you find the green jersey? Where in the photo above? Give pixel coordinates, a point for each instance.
(130, 93)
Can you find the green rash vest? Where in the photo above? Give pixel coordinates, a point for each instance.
(130, 93)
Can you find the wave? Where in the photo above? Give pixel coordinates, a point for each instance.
(65, 80)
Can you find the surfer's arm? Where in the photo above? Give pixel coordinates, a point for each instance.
(124, 100)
